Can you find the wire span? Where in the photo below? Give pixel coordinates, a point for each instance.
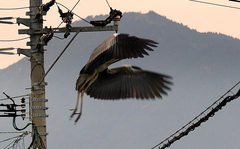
(198, 120)
(16, 142)
(16, 97)
(14, 8)
(71, 11)
(5, 132)
(75, 5)
(17, 8)
(59, 56)
(215, 4)
(108, 4)
(14, 39)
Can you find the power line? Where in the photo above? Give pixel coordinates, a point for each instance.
(15, 97)
(108, 4)
(59, 56)
(16, 140)
(82, 18)
(215, 4)
(6, 132)
(9, 40)
(17, 8)
(14, 8)
(3, 20)
(234, 0)
(198, 120)
(75, 5)
(9, 139)
(72, 11)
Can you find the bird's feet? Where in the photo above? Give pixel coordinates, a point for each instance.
(75, 113)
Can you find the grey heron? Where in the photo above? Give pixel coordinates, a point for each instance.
(100, 82)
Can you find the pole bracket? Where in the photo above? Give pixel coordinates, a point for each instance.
(23, 21)
(43, 133)
(40, 115)
(40, 100)
(39, 108)
(26, 52)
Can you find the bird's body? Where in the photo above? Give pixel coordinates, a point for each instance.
(99, 81)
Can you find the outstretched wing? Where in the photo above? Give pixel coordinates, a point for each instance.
(129, 82)
(118, 47)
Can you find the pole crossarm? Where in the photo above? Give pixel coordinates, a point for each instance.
(73, 29)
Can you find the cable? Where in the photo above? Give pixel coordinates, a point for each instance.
(15, 97)
(75, 5)
(16, 141)
(17, 8)
(14, 39)
(4, 20)
(15, 115)
(108, 4)
(20, 129)
(35, 140)
(14, 8)
(9, 139)
(215, 4)
(82, 18)
(234, 0)
(60, 16)
(74, 13)
(59, 56)
(62, 5)
(198, 120)
(3, 132)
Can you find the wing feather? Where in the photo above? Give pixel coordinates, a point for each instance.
(129, 82)
(118, 47)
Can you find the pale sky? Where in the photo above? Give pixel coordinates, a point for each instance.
(199, 16)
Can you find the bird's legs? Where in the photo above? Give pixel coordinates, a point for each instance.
(84, 86)
(76, 107)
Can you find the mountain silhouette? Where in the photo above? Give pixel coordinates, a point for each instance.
(203, 66)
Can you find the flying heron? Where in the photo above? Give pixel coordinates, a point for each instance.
(100, 82)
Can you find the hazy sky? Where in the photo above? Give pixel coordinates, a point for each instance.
(199, 16)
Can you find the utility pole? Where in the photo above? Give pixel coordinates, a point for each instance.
(38, 108)
(36, 53)
(37, 103)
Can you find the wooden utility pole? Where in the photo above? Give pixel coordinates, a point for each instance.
(37, 103)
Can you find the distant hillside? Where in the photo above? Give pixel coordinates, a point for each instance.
(203, 66)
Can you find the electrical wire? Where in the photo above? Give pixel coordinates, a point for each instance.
(72, 11)
(15, 115)
(9, 139)
(15, 142)
(61, 21)
(14, 8)
(20, 129)
(75, 5)
(6, 132)
(62, 5)
(14, 39)
(214, 4)
(17, 8)
(202, 117)
(82, 18)
(59, 56)
(16, 97)
(35, 138)
(108, 4)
